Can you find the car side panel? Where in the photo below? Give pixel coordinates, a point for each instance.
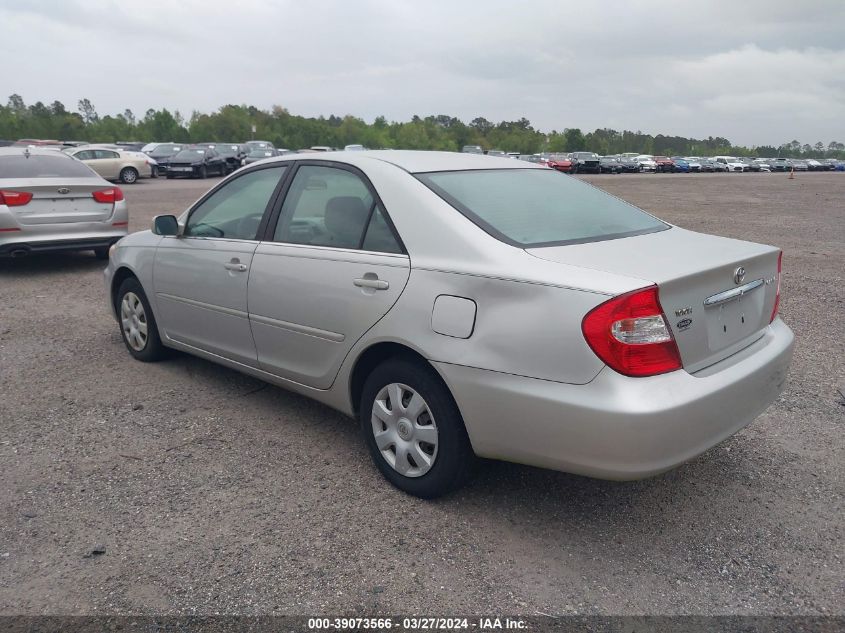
(520, 328)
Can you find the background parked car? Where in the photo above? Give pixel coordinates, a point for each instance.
(646, 163)
(731, 163)
(163, 153)
(693, 164)
(585, 162)
(51, 202)
(561, 162)
(197, 162)
(472, 149)
(497, 152)
(681, 165)
(629, 164)
(610, 165)
(234, 153)
(799, 165)
(664, 164)
(113, 164)
(257, 154)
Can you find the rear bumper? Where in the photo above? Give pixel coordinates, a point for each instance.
(25, 247)
(617, 427)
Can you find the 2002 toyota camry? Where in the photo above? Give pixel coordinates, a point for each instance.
(461, 304)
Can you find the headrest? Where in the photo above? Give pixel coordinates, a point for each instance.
(345, 218)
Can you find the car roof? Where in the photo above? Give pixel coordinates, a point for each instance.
(415, 161)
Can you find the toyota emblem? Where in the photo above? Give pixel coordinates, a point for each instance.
(739, 275)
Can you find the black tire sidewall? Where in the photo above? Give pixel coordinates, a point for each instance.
(153, 350)
(454, 455)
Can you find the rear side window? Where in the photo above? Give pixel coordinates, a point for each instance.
(539, 207)
(40, 166)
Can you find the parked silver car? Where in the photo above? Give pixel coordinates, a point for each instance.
(459, 304)
(52, 202)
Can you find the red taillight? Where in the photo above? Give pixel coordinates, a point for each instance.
(108, 195)
(15, 198)
(777, 294)
(631, 336)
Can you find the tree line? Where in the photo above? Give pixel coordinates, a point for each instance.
(441, 132)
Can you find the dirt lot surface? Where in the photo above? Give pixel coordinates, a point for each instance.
(183, 487)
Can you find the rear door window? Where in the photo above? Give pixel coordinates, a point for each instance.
(325, 206)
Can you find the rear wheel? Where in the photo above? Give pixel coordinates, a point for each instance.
(128, 175)
(138, 327)
(101, 253)
(414, 430)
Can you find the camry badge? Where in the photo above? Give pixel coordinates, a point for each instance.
(739, 275)
(63, 190)
(683, 311)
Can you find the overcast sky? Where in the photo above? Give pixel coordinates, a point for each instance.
(756, 72)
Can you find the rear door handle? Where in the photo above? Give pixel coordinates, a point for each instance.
(236, 265)
(376, 284)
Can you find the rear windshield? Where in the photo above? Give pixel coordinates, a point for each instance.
(40, 166)
(539, 207)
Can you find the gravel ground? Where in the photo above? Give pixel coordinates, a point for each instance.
(184, 487)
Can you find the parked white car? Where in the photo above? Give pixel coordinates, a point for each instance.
(647, 163)
(460, 305)
(732, 163)
(114, 164)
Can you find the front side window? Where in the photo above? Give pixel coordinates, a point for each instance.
(235, 210)
(539, 207)
(325, 206)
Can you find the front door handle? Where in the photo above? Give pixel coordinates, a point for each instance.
(236, 266)
(375, 283)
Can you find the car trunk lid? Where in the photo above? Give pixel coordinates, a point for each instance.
(712, 309)
(58, 200)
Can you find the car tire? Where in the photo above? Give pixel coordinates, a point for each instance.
(169, 176)
(128, 175)
(431, 469)
(154, 172)
(138, 327)
(203, 174)
(101, 253)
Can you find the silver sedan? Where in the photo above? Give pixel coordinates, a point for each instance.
(461, 305)
(51, 202)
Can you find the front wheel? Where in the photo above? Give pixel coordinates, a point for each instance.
(128, 175)
(203, 172)
(414, 430)
(138, 327)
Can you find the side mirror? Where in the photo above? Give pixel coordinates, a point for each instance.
(165, 225)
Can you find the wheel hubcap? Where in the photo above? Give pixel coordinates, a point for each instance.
(133, 320)
(404, 430)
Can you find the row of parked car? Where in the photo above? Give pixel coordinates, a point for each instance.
(590, 162)
(126, 162)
